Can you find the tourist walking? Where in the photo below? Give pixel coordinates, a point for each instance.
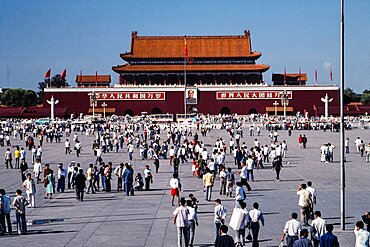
(224, 240)
(8, 159)
(49, 183)
(20, 204)
(148, 176)
(175, 188)
(61, 178)
(128, 179)
(80, 183)
(30, 187)
(208, 181)
(362, 235)
(90, 177)
(193, 219)
(277, 164)
(303, 241)
(256, 216)
(291, 230)
(329, 239)
(219, 217)
(180, 219)
(317, 228)
(305, 203)
(5, 210)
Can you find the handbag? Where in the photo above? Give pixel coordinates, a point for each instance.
(249, 236)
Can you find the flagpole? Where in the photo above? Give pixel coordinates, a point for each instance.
(342, 132)
(185, 77)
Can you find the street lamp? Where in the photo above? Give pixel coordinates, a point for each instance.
(275, 105)
(285, 101)
(104, 105)
(93, 99)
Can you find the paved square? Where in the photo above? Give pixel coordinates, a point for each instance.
(111, 219)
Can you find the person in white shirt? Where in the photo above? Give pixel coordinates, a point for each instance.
(222, 181)
(23, 154)
(220, 217)
(231, 145)
(312, 190)
(37, 169)
(175, 185)
(193, 221)
(39, 153)
(181, 219)
(29, 186)
(240, 233)
(318, 226)
(67, 146)
(256, 216)
(250, 164)
(358, 143)
(362, 236)
(291, 230)
(346, 145)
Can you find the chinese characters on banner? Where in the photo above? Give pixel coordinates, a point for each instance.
(131, 96)
(242, 95)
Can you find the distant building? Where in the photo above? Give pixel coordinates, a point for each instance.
(289, 79)
(93, 80)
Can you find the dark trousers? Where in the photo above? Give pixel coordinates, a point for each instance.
(61, 184)
(316, 243)
(80, 194)
(277, 171)
(290, 240)
(147, 183)
(119, 183)
(3, 218)
(21, 223)
(108, 186)
(245, 182)
(7, 163)
(69, 179)
(255, 227)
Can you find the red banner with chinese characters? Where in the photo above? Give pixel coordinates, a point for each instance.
(130, 95)
(244, 95)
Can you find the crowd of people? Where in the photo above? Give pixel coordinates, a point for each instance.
(178, 146)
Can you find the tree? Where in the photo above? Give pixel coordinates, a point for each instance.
(365, 97)
(19, 97)
(351, 95)
(55, 81)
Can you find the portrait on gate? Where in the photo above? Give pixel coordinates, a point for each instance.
(191, 96)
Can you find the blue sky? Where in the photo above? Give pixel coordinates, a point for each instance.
(90, 34)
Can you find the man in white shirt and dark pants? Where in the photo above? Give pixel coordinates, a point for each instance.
(317, 228)
(180, 218)
(220, 216)
(291, 230)
(255, 216)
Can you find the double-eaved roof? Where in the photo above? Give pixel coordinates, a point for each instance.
(159, 49)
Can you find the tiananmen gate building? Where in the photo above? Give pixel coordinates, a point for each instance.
(207, 74)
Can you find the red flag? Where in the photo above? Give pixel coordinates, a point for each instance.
(64, 74)
(331, 73)
(285, 75)
(315, 75)
(47, 74)
(186, 50)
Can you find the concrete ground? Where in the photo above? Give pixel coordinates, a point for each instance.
(111, 219)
